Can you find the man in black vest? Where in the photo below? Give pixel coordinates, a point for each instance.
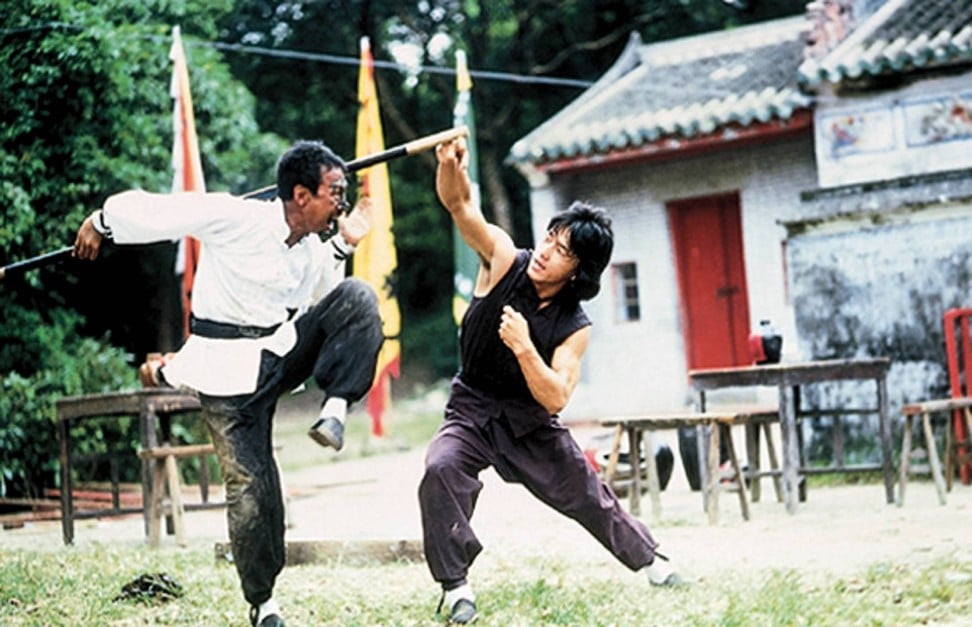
(521, 342)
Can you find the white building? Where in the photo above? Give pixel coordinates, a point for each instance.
(813, 171)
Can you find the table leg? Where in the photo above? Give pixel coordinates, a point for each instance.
(791, 448)
(654, 485)
(67, 505)
(712, 481)
(885, 426)
(905, 461)
(725, 432)
(612, 466)
(933, 462)
(752, 455)
(702, 454)
(149, 440)
(634, 455)
(774, 462)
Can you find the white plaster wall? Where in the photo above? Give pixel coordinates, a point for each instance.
(634, 367)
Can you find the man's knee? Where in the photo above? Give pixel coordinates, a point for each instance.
(357, 293)
(438, 472)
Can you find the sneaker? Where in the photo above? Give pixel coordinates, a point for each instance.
(270, 620)
(463, 612)
(661, 575)
(328, 432)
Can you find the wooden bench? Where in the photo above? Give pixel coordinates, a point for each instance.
(166, 495)
(926, 409)
(715, 425)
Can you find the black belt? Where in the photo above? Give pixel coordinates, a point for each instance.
(227, 331)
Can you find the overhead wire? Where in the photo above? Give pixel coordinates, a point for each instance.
(319, 57)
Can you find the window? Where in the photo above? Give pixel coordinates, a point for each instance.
(626, 307)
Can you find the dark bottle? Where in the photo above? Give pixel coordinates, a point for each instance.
(766, 344)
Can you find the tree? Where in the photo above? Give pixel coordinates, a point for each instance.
(87, 113)
(574, 39)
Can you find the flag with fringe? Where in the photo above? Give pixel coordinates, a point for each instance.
(186, 165)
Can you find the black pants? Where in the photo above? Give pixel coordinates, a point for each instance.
(547, 461)
(338, 341)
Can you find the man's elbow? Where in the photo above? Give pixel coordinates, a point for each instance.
(557, 402)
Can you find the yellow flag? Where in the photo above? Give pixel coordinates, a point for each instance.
(375, 259)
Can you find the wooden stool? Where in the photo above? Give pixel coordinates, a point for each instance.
(716, 423)
(952, 449)
(165, 481)
(761, 420)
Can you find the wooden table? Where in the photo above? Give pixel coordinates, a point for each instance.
(153, 407)
(789, 378)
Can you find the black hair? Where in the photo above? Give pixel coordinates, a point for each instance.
(591, 240)
(302, 165)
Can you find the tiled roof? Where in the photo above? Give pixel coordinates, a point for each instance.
(903, 35)
(683, 88)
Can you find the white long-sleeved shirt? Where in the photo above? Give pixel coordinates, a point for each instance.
(247, 275)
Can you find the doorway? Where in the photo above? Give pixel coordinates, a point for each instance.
(707, 238)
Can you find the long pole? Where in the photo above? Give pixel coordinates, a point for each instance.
(403, 150)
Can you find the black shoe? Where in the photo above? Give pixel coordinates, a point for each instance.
(328, 432)
(271, 620)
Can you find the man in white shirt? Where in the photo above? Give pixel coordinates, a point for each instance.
(270, 308)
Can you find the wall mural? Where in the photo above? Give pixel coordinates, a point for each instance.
(940, 119)
(859, 132)
(923, 121)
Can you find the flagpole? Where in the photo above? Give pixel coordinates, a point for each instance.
(465, 261)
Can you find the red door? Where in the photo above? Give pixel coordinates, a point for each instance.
(707, 238)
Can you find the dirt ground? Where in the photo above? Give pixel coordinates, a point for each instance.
(838, 531)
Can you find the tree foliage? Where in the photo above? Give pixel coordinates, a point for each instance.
(86, 112)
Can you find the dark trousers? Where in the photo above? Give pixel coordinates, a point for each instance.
(338, 341)
(546, 461)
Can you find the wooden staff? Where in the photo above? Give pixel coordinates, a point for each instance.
(403, 150)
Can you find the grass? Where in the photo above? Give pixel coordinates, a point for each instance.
(56, 585)
(76, 586)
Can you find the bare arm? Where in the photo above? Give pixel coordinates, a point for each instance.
(553, 385)
(494, 246)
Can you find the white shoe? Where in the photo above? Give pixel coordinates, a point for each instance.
(661, 575)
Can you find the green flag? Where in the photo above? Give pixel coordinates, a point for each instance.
(466, 261)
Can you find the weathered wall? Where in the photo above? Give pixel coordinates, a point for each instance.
(874, 271)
